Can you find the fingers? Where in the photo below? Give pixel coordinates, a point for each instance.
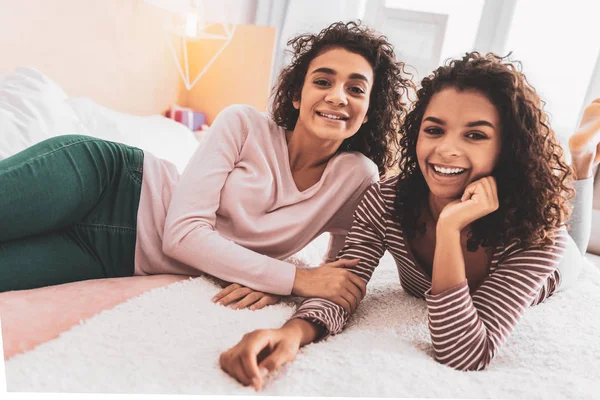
(265, 301)
(235, 295)
(352, 299)
(225, 292)
(343, 302)
(492, 192)
(469, 191)
(240, 374)
(359, 283)
(232, 365)
(343, 262)
(250, 366)
(282, 354)
(241, 361)
(354, 291)
(250, 299)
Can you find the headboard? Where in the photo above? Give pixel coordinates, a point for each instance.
(112, 51)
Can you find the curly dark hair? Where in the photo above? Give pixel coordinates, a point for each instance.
(377, 137)
(531, 174)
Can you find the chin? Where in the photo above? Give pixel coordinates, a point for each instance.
(331, 134)
(447, 194)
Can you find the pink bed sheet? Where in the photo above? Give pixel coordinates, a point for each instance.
(32, 317)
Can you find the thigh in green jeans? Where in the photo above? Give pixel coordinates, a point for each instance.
(68, 212)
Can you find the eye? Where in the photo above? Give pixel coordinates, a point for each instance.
(357, 90)
(476, 136)
(433, 130)
(321, 82)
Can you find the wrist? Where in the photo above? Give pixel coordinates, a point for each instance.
(447, 227)
(298, 279)
(303, 331)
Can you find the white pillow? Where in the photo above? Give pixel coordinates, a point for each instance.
(32, 108)
(163, 137)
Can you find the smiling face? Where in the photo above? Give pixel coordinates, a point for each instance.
(459, 141)
(334, 100)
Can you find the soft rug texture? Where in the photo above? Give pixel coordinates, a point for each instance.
(32, 317)
(168, 340)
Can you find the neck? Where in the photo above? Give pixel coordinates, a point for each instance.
(435, 205)
(307, 152)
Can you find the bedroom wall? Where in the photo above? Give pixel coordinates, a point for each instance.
(113, 51)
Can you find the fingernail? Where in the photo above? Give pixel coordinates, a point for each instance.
(263, 372)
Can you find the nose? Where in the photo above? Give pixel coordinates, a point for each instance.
(336, 96)
(449, 146)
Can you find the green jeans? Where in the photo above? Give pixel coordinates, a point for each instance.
(68, 212)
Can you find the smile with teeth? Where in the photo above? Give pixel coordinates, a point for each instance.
(448, 171)
(331, 116)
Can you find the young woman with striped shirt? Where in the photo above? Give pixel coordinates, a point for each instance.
(475, 220)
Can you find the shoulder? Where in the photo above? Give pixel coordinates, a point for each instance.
(380, 196)
(242, 115)
(387, 191)
(355, 166)
(536, 255)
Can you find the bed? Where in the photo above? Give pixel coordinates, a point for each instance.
(161, 334)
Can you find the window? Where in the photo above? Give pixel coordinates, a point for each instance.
(558, 49)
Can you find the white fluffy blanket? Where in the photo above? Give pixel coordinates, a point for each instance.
(168, 340)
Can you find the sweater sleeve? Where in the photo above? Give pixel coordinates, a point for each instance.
(342, 222)
(190, 235)
(364, 242)
(468, 331)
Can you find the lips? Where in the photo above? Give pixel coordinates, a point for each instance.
(446, 171)
(333, 115)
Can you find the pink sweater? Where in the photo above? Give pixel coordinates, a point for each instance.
(236, 212)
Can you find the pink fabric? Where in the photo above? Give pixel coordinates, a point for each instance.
(236, 212)
(32, 317)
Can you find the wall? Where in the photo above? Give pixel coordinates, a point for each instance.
(239, 75)
(113, 51)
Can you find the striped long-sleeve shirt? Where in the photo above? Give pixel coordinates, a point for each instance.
(467, 330)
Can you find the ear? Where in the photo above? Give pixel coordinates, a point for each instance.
(296, 104)
(366, 119)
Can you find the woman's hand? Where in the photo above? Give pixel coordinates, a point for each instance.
(245, 297)
(259, 353)
(263, 351)
(332, 282)
(479, 199)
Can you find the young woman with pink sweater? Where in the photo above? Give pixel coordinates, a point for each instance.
(258, 189)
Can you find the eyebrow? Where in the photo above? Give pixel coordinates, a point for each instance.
(330, 71)
(480, 122)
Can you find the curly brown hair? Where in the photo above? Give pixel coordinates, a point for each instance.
(531, 174)
(378, 137)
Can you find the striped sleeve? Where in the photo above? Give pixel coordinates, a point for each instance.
(468, 331)
(365, 242)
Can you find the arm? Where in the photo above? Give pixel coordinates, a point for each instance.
(189, 233)
(316, 317)
(365, 242)
(468, 331)
(581, 217)
(336, 243)
(344, 217)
